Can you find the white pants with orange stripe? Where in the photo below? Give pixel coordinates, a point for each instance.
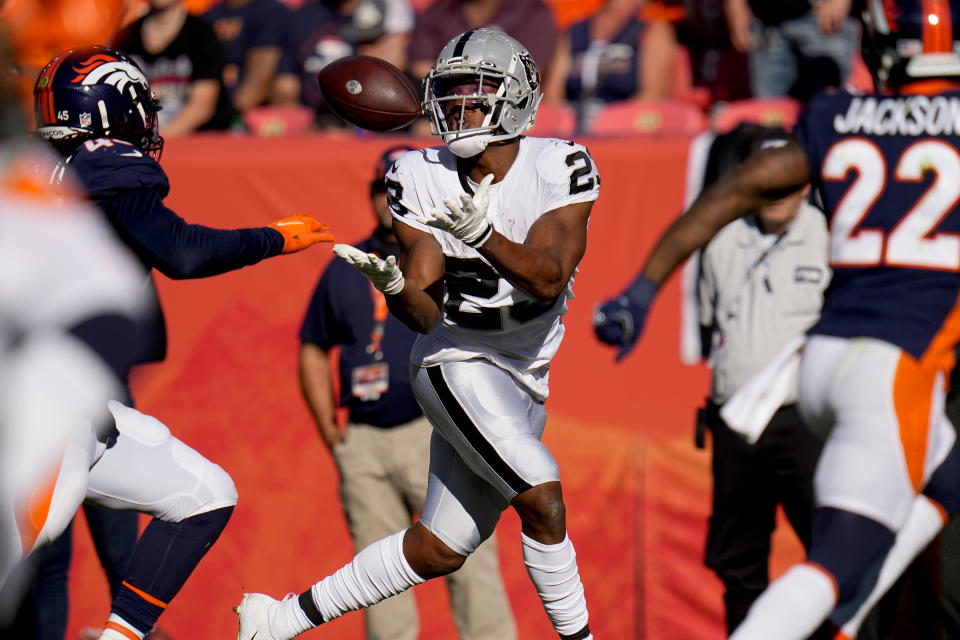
(882, 412)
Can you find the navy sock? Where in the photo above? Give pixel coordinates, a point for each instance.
(861, 541)
(944, 484)
(163, 559)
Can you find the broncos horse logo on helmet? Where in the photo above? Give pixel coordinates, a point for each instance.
(95, 92)
(910, 40)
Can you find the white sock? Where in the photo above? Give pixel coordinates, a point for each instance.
(791, 608)
(376, 573)
(923, 523)
(553, 570)
(119, 629)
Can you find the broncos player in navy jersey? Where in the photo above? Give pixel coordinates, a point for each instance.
(874, 368)
(96, 108)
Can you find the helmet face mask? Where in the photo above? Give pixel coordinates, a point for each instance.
(486, 71)
(909, 40)
(96, 92)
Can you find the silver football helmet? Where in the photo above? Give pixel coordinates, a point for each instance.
(484, 69)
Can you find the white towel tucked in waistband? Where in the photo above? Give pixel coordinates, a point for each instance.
(749, 410)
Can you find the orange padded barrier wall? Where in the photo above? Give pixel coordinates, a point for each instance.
(637, 491)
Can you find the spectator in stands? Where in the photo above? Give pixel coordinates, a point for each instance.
(381, 28)
(321, 31)
(597, 61)
(699, 26)
(529, 21)
(383, 454)
(183, 60)
(792, 43)
(313, 40)
(252, 33)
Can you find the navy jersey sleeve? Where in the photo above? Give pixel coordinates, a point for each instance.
(321, 326)
(129, 187)
(179, 250)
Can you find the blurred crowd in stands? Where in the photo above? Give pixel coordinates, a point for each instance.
(610, 67)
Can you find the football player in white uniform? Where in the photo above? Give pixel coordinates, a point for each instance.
(493, 225)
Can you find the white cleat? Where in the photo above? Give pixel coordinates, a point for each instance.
(254, 611)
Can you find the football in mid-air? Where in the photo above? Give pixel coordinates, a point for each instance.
(369, 93)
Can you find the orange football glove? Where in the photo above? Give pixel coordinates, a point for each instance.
(300, 231)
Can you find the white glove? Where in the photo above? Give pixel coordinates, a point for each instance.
(384, 274)
(466, 220)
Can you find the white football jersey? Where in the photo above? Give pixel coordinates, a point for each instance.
(484, 315)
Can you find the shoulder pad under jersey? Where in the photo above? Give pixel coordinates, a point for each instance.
(108, 167)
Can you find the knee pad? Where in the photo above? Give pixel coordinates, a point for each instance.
(214, 490)
(150, 471)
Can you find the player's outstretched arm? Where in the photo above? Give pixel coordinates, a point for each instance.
(413, 294)
(765, 177)
(180, 250)
(419, 305)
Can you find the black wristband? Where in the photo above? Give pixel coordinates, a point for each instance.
(310, 608)
(476, 244)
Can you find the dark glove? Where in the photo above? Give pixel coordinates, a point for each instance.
(619, 321)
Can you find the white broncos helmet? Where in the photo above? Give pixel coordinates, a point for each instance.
(484, 67)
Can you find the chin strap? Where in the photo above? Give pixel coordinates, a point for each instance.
(467, 146)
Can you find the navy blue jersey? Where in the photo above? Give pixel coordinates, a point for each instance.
(341, 313)
(888, 171)
(129, 186)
